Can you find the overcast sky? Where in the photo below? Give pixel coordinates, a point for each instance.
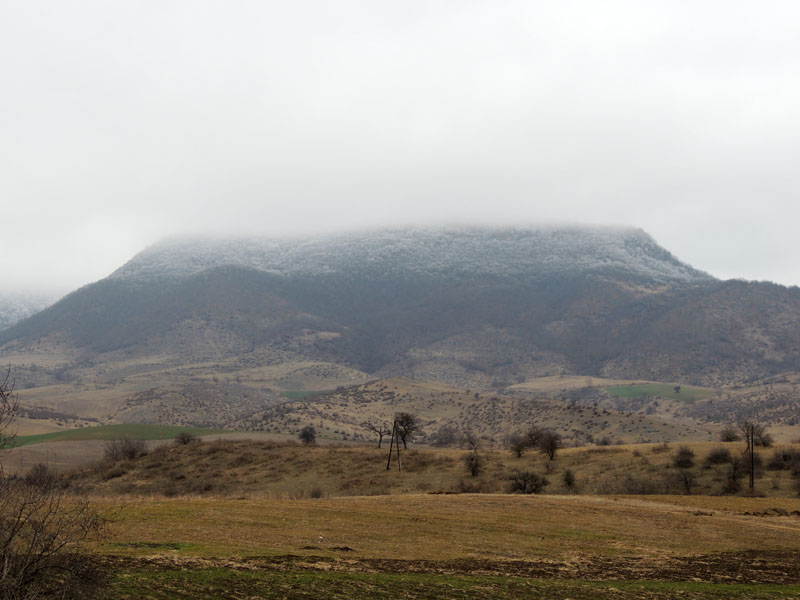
(125, 122)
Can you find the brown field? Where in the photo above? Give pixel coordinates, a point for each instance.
(506, 546)
(443, 528)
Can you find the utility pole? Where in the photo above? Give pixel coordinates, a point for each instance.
(752, 442)
(396, 443)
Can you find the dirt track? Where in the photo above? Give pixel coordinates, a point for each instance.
(745, 567)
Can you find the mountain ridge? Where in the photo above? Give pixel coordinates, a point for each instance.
(483, 307)
(508, 251)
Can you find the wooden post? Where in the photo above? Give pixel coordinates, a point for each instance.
(389, 460)
(752, 456)
(399, 464)
(396, 444)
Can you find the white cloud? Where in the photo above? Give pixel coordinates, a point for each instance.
(124, 122)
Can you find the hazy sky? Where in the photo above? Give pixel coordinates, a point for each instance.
(124, 122)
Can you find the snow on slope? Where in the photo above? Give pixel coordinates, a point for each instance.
(502, 252)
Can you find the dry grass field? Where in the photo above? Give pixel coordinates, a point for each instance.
(466, 546)
(235, 519)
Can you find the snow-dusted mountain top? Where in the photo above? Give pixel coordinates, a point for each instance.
(504, 252)
(14, 308)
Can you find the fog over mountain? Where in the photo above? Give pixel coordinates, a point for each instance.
(16, 307)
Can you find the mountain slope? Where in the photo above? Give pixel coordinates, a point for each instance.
(483, 307)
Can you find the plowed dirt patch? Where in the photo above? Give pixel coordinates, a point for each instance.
(750, 567)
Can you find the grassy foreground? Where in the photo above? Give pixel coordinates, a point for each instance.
(222, 583)
(453, 546)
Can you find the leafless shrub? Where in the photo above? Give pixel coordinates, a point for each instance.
(124, 449)
(630, 484)
(42, 534)
(718, 456)
(687, 478)
(469, 487)
(683, 458)
(568, 477)
(40, 475)
(784, 460)
(308, 435)
(185, 437)
(473, 463)
(113, 472)
(527, 482)
(416, 461)
(761, 436)
(737, 468)
(729, 434)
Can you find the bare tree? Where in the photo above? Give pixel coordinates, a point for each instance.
(8, 410)
(549, 443)
(473, 463)
(42, 535)
(471, 440)
(518, 444)
(407, 426)
(760, 435)
(533, 437)
(380, 428)
(124, 449)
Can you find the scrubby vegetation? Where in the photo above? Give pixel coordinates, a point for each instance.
(226, 468)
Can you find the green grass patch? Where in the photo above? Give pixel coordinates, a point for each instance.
(153, 545)
(172, 584)
(113, 432)
(304, 394)
(686, 393)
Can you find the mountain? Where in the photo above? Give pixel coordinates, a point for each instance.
(16, 307)
(486, 307)
(451, 254)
